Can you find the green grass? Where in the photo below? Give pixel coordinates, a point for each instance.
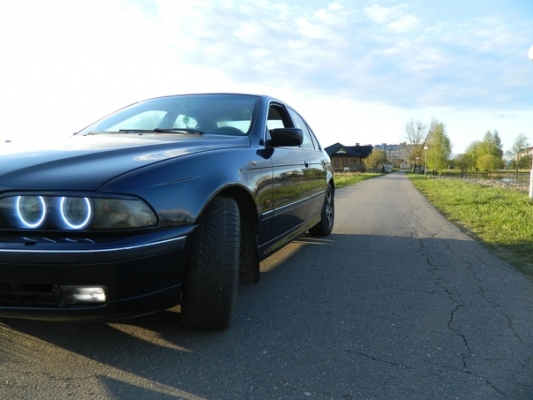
(343, 179)
(500, 218)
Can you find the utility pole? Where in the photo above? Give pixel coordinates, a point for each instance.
(530, 55)
(425, 159)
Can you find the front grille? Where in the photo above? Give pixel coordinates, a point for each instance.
(29, 295)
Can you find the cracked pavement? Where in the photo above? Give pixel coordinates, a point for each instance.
(396, 304)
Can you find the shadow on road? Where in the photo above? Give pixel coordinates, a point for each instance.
(348, 316)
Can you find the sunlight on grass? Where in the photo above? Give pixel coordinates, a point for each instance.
(500, 218)
(343, 179)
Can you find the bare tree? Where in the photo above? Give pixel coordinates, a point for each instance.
(519, 150)
(416, 133)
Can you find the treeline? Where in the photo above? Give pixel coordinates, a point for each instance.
(431, 147)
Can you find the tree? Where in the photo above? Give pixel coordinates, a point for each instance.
(525, 161)
(518, 152)
(464, 162)
(489, 162)
(439, 147)
(491, 145)
(416, 133)
(473, 151)
(375, 159)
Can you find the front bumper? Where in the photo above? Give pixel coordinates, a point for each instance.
(140, 273)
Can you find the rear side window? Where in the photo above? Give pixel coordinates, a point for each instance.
(299, 123)
(315, 140)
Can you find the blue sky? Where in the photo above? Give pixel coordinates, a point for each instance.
(358, 71)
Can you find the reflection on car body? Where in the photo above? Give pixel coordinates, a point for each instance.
(172, 200)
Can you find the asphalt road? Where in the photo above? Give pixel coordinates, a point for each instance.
(396, 304)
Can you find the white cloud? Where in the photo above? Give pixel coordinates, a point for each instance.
(76, 61)
(403, 24)
(380, 15)
(393, 18)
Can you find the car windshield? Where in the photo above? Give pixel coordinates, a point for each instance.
(227, 114)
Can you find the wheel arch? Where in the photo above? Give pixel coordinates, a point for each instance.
(249, 268)
(332, 182)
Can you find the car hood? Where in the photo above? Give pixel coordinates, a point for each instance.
(87, 162)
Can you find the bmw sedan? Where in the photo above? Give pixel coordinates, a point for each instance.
(172, 200)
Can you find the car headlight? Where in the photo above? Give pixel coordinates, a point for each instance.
(74, 213)
(30, 211)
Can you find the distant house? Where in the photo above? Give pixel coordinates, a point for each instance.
(348, 158)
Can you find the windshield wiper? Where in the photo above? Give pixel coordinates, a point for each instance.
(168, 130)
(179, 130)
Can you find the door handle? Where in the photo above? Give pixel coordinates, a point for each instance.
(306, 163)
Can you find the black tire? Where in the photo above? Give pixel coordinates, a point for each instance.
(209, 290)
(325, 226)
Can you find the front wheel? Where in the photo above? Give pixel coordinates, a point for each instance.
(209, 292)
(325, 226)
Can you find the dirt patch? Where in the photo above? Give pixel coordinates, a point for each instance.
(507, 184)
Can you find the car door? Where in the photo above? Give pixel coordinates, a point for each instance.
(299, 176)
(315, 168)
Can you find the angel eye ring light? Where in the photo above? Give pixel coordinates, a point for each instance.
(76, 212)
(70, 212)
(31, 210)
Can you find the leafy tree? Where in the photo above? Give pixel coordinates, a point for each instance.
(463, 162)
(473, 152)
(375, 159)
(491, 145)
(439, 147)
(416, 133)
(525, 162)
(518, 152)
(489, 162)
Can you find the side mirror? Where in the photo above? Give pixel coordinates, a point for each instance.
(286, 137)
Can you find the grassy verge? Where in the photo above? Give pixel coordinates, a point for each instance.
(473, 174)
(500, 218)
(343, 179)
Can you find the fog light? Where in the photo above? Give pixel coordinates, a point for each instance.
(84, 294)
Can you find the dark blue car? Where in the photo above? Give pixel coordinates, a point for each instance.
(172, 200)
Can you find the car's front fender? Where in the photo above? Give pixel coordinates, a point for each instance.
(180, 188)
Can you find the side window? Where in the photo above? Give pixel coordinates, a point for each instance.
(299, 123)
(313, 137)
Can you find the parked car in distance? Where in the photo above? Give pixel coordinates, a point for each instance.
(172, 200)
